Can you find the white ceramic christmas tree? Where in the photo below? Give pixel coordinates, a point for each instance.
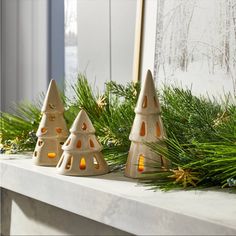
(147, 127)
(52, 131)
(82, 152)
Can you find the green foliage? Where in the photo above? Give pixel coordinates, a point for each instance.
(18, 130)
(112, 114)
(212, 164)
(188, 117)
(201, 143)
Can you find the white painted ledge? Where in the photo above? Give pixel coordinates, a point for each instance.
(119, 202)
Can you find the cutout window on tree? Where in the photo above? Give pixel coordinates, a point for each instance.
(95, 162)
(155, 101)
(79, 144)
(142, 129)
(91, 143)
(84, 126)
(43, 130)
(59, 130)
(144, 105)
(158, 130)
(141, 163)
(40, 143)
(69, 162)
(82, 164)
(51, 155)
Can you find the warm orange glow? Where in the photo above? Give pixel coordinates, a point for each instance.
(84, 126)
(51, 154)
(158, 130)
(91, 143)
(43, 130)
(141, 163)
(144, 105)
(79, 144)
(82, 164)
(142, 130)
(59, 130)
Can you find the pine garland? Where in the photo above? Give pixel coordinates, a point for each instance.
(201, 143)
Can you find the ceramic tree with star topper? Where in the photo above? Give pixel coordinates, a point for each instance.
(52, 131)
(82, 152)
(147, 127)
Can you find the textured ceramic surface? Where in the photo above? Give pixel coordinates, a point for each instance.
(147, 127)
(52, 131)
(82, 152)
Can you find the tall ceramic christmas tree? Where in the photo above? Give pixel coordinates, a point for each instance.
(52, 131)
(82, 152)
(147, 127)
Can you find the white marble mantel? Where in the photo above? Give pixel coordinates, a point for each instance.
(122, 203)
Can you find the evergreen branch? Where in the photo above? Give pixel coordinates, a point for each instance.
(201, 143)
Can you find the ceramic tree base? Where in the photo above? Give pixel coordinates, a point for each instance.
(52, 131)
(141, 159)
(147, 127)
(87, 164)
(49, 152)
(82, 152)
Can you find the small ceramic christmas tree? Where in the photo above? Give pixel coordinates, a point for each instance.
(82, 152)
(52, 131)
(147, 127)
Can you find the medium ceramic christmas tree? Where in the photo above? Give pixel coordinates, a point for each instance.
(52, 131)
(147, 127)
(82, 152)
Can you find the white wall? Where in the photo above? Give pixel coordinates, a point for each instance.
(123, 19)
(106, 39)
(105, 45)
(149, 35)
(24, 50)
